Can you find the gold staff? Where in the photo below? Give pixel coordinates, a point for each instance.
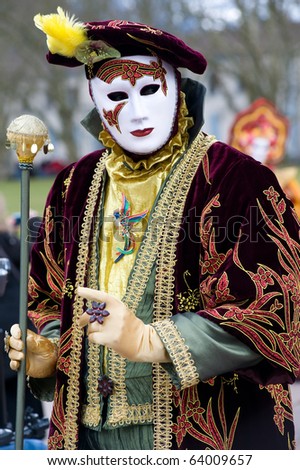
(26, 135)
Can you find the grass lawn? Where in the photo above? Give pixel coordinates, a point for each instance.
(39, 188)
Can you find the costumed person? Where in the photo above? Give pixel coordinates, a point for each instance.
(165, 284)
(262, 131)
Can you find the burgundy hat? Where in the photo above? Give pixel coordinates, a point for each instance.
(102, 40)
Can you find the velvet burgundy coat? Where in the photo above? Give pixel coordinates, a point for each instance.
(238, 240)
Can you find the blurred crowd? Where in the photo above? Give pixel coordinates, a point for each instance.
(9, 308)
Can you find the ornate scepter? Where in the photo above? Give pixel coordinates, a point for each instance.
(26, 135)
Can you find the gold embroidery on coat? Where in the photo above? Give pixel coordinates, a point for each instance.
(189, 300)
(282, 404)
(232, 381)
(72, 403)
(67, 182)
(68, 289)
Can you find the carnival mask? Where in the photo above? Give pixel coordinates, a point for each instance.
(136, 97)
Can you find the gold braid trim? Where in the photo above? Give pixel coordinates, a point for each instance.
(54, 341)
(178, 352)
(72, 404)
(67, 183)
(176, 191)
(159, 242)
(91, 413)
(123, 413)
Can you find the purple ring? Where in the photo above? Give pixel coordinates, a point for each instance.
(97, 312)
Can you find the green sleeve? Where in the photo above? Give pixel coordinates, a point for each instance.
(200, 349)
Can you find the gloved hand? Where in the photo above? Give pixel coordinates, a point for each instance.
(121, 330)
(41, 353)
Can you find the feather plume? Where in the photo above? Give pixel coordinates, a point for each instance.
(64, 33)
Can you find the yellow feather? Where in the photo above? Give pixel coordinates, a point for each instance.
(64, 33)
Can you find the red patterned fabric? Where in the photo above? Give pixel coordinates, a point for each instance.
(239, 241)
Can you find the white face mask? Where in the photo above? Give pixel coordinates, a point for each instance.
(136, 98)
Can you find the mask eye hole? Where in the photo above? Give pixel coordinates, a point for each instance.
(117, 96)
(149, 89)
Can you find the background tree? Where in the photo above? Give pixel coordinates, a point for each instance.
(257, 44)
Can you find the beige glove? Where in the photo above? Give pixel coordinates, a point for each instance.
(41, 354)
(122, 331)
